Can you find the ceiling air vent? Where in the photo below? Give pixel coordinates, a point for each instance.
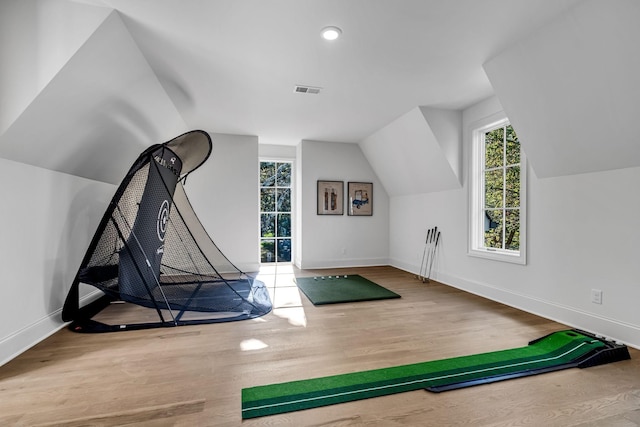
(306, 89)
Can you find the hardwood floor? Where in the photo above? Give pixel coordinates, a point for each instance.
(193, 375)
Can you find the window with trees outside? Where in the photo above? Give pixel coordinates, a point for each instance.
(498, 199)
(275, 212)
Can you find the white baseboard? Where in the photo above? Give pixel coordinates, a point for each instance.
(23, 339)
(245, 267)
(611, 328)
(410, 268)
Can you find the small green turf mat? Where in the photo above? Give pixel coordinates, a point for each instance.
(559, 350)
(344, 288)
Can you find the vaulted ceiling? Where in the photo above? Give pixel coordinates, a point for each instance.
(86, 84)
(232, 65)
(571, 89)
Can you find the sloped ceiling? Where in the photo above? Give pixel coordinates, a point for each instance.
(101, 109)
(230, 66)
(37, 38)
(91, 82)
(419, 152)
(572, 89)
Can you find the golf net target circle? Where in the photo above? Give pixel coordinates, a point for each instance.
(163, 220)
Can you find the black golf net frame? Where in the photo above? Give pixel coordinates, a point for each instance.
(162, 259)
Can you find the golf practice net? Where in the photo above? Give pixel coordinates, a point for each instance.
(151, 250)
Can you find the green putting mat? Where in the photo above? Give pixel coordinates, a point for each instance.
(338, 289)
(559, 350)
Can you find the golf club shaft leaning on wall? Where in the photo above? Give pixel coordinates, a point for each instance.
(424, 252)
(427, 253)
(433, 250)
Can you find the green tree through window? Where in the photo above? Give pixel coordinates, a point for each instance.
(497, 192)
(501, 177)
(275, 212)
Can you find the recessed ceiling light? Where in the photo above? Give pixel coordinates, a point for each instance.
(331, 33)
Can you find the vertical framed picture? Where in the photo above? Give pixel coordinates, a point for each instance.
(360, 199)
(330, 197)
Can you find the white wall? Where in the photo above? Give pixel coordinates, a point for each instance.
(48, 219)
(582, 234)
(572, 86)
(102, 109)
(418, 152)
(224, 195)
(277, 152)
(339, 241)
(37, 38)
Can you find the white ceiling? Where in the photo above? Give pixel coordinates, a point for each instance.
(230, 66)
(571, 90)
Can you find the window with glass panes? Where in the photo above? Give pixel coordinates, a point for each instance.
(275, 212)
(498, 194)
(501, 176)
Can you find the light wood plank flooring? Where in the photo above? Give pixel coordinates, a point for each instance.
(193, 375)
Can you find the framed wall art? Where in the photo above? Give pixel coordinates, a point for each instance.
(360, 198)
(330, 197)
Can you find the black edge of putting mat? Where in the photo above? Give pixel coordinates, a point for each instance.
(321, 290)
(559, 350)
(610, 352)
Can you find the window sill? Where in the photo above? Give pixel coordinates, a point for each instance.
(497, 255)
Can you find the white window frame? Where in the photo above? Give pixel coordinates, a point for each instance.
(291, 212)
(476, 196)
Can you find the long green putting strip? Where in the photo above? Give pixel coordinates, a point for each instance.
(339, 289)
(556, 349)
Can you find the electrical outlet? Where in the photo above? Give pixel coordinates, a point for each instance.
(596, 296)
